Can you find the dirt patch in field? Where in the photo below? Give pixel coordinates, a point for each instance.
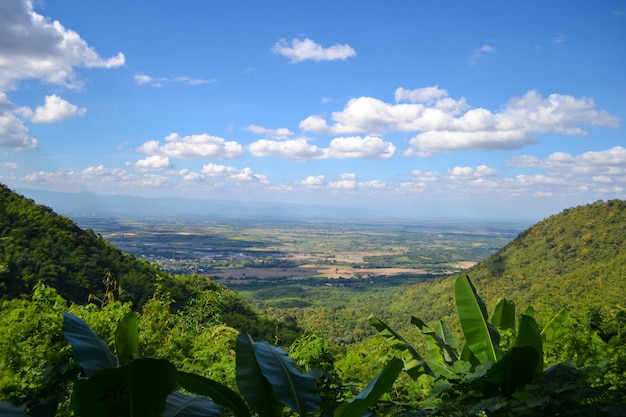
(309, 271)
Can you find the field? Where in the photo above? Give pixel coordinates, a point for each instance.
(240, 251)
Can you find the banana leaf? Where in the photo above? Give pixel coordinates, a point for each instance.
(504, 315)
(481, 336)
(529, 334)
(127, 338)
(291, 387)
(91, 353)
(136, 389)
(219, 393)
(381, 383)
(185, 405)
(251, 382)
(414, 364)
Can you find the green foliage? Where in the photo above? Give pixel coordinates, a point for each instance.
(512, 382)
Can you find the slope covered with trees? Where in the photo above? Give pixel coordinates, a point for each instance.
(38, 245)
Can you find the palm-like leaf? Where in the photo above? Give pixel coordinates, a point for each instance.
(250, 380)
(91, 353)
(184, 405)
(291, 387)
(127, 338)
(414, 364)
(481, 336)
(136, 389)
(504, 315)
(219, 393)
(381, 383)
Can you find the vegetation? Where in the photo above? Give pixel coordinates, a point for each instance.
(70, 299)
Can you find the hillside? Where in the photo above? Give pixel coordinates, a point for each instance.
(575, 259)
(38, 245)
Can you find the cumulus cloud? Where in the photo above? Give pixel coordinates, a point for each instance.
(151, 163)
(296, 149)
(280, 133)
(56, 109)
(34, 47)
(13, 134)
(305, 49)
(143, 79)
(314, 181)
(465, 173)
(232, 173)
(357, 147)
(420, 95)
(445, 124)
(339, 148)
(193, 147)
(610, 162)
(346, 181)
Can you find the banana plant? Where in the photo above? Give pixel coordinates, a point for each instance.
(504, 371)
(128, 384)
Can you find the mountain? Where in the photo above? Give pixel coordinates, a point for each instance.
(574, 260)
(38, 245)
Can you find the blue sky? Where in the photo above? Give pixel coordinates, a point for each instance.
(449, 108)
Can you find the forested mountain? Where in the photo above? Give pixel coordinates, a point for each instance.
(38, 245)
(575, 259)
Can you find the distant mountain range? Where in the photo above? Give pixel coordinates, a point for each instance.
(88, 204)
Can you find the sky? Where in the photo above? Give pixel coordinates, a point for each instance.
(485, 109)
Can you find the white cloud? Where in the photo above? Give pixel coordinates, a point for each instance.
(153, 162)
(193, 147)
(13, 133)
(611, 162)
(56, 109)
(465, 173)
(8, 165)
(314, 181)
(232, 173)
(357, 147)
(346, 181)
(306, 49)
(143, 79)
(445, 124)
(373, 184)
(420, 95)
(296, 149)
(480, 53)
(280, 133)
(34, 47)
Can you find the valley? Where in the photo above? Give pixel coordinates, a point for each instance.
(245, 252)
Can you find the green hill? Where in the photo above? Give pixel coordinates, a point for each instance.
(575, 260)
(38, 245)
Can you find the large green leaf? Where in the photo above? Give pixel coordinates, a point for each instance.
(293, 388)
(442, 346)
(250, 380)
(127, 338)
(529, 334)
(381, 383)
(414, 364)
(218, 392)
(504, 315)
(91, 353)
(481, 336)
(514, 370)
(136, 389)
(184, 405)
